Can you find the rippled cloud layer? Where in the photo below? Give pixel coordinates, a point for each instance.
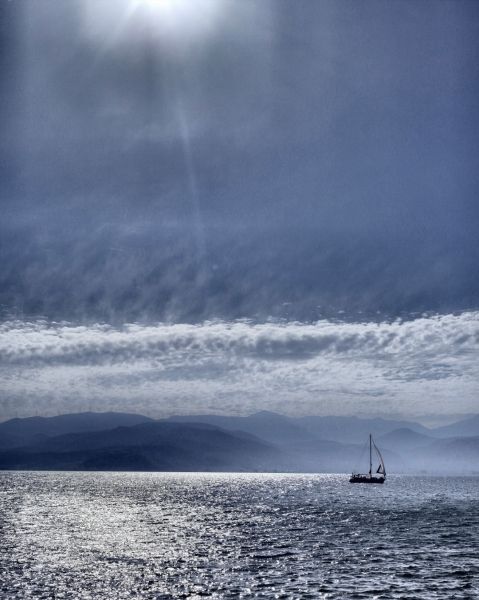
(424, 367)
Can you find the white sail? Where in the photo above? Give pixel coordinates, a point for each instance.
(382, 468)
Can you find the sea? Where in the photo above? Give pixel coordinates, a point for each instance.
(206, 535)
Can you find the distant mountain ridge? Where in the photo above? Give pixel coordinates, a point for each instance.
(25, 431)
(354, 429)
(275, 427)
(269, 426)
(465, 427)
(156, 446)
(261, 441)
(404, 438)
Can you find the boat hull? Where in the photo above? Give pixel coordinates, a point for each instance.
(366, 479)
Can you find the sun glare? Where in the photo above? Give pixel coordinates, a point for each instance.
(189, 18)
(157, 4)
(173, 23)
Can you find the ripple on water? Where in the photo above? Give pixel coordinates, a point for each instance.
(134, 535)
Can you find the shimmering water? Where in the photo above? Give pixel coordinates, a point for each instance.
(136, 535)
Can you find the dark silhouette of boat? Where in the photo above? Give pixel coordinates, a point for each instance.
(379, 476)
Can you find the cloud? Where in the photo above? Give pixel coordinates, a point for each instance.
(424, 366)
(297, 160)
(309, 152)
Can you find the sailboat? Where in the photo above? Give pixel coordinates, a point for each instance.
(379, 476)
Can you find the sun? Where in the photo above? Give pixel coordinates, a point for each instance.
(158, 4)
(188, 18)
(175, 25)
(166, 9)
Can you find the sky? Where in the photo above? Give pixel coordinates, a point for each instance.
(230, 205)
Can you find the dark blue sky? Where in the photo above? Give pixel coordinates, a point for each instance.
(293, 159)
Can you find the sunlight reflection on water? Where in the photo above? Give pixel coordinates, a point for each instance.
(177, 535)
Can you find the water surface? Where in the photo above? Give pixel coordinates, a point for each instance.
(163, 535)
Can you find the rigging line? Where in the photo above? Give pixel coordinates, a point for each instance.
(359, 461)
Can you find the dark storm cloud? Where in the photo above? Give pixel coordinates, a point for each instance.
(302, 158)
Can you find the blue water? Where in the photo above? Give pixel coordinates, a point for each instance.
(158, 535)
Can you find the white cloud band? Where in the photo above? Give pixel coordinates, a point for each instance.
(424, 366)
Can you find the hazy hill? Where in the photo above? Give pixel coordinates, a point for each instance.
(281, 429)
(415, 452)
(260, 442)
(464, 428)
(456, 455)
(145, 434)
(337, 443)
(23, 432)
(354, 429)
(269, 426)
(148, 446)
(403, 439)
(323, 456)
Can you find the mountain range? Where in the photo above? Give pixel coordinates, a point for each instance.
(263, 441)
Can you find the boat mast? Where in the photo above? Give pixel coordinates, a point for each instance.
(370, 457)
